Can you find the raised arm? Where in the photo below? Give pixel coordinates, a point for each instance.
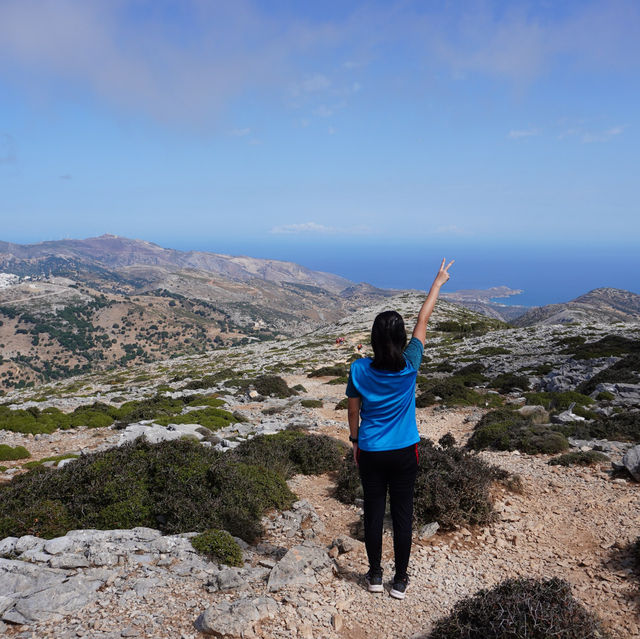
(420, 331)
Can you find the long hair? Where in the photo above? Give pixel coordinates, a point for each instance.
(388, 339)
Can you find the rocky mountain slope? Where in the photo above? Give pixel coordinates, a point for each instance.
(600, 305)
(114, 253)
(80, 305)
(303, 577)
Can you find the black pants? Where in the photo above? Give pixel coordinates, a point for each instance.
(394, 470)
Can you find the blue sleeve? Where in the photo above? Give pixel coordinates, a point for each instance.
(351, 388)
(413, 353)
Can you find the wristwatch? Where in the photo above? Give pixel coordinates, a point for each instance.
(353, 440)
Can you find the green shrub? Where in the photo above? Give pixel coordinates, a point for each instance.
(177, 486)
(311, 403)
(609, 346)
(543, 369)
(335, 370)
(201, 400)
(623, 427)
(605, 396)
(208, 381)
(579, 458)
(211, 418)
(299, 388)
(2, 469)
(342, 404)
(272, 386)
(507, 382)
(7, 453)
(290, 452)
(444, 367)
(558, 401)
(624, 371)
(452, 487)
(468, 328)
(570, 342)
(453, 391)
(518, 609)
(338, 380)
(218, 545)
(505, 429)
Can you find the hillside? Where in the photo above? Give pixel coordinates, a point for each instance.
(302, 576)
(600, 305)
(81, 305)
(68, 257)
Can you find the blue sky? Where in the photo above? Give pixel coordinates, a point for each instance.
(221, 125)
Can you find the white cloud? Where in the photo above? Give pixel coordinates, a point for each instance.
(323, 111)
(311, 84)
(306, 227)
(591, 136)
(517, 134)
(240, 133)
(320, 229)
(603, 136)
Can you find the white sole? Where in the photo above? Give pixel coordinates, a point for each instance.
(396, 594)
(375, 588)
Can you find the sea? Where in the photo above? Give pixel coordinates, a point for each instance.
(546, 273)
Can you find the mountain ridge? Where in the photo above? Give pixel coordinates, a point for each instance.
(601, 305)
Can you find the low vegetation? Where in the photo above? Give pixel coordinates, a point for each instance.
(506, 429)
(290, 452)
(558, 401)
(608, 346)
(580, 458)
(311, 403)
(218, 545)
(336, 370)
(508, 382)
(624, 371)
(452, 486)
(623, 427)
(53, 458)
(452, 391)
(265, 385)
(9, 453)
(176, 486)
(519, 608)
(160, 408)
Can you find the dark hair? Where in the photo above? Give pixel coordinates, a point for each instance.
(388, 339)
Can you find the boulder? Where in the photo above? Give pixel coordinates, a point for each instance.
(232, 620)
(631, 461)
(428, 530)
(300, 566)
(567, 417)
(35, 593)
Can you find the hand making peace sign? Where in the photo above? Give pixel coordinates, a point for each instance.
(443, 273)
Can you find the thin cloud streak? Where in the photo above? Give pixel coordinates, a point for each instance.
(8, 149)
(313, 228)
(518, 134)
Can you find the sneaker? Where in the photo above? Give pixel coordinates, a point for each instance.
(399, 588)
(374, 582)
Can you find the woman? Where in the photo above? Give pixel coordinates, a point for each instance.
(384, 433)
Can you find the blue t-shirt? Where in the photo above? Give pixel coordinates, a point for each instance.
(388, 408)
